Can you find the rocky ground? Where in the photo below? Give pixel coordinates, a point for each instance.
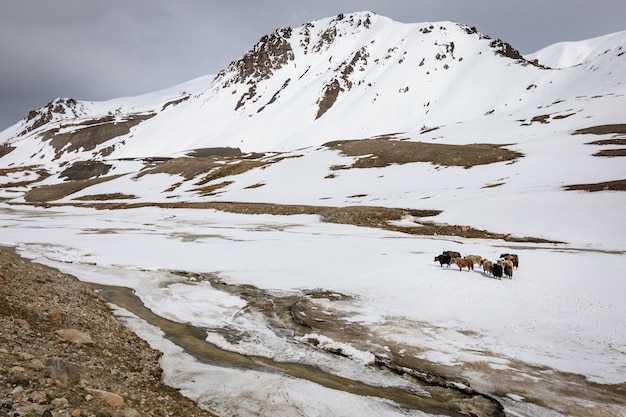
(63, 353)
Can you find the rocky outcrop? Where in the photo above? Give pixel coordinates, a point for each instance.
(62, 352)
(82, 170)
(271, 53)
(60, 108)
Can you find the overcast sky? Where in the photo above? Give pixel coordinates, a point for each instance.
(98, 50)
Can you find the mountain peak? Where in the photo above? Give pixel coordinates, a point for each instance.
(273, 51)
(338, 54)
(352, 75)
(59, 108)
(270, 53)
(569, 54)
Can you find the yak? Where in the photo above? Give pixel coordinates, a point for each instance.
(508, 271)
(511, 257)
(487, 266)
(496, 269)
(464, 263)
(443, 259)
(451, 254)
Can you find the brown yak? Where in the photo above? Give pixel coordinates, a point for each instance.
(464, 263)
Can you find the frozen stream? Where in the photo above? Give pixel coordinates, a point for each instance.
(407, 393)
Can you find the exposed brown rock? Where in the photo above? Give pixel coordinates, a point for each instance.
(63, 372)
(380, 152)
(75, 336)
(112, 399)
(119, 376)
(55, 313)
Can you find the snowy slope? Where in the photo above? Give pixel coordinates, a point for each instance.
(353, 76)
(569, 54)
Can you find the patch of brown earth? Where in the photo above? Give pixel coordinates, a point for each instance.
(90, 134)
(613, 141)
(106, 197)
(610, 153)
(62, 351)
(6, 149)
(617, 185)
(365, 216)
(53, 192)
(187, 167)
(213, 166)
(222, 151)
(232, 169)
(209, 190)
(544, 118)
(381, 152)
(498, 184)
(42, 174)
(82, 170)
(619, 129)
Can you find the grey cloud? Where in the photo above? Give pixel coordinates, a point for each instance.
(98, 50)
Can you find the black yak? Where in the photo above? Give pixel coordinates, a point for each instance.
(511, 257)
(496, 269)
(443, 259)
(451, 254)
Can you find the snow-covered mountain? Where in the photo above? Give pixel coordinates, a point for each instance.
(441, 85)
(351, 76)
(569, 54)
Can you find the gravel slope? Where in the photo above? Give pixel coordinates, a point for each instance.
(63, 353)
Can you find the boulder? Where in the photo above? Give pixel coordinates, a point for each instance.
(75, 336)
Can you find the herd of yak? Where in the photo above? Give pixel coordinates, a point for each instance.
(502, 267)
